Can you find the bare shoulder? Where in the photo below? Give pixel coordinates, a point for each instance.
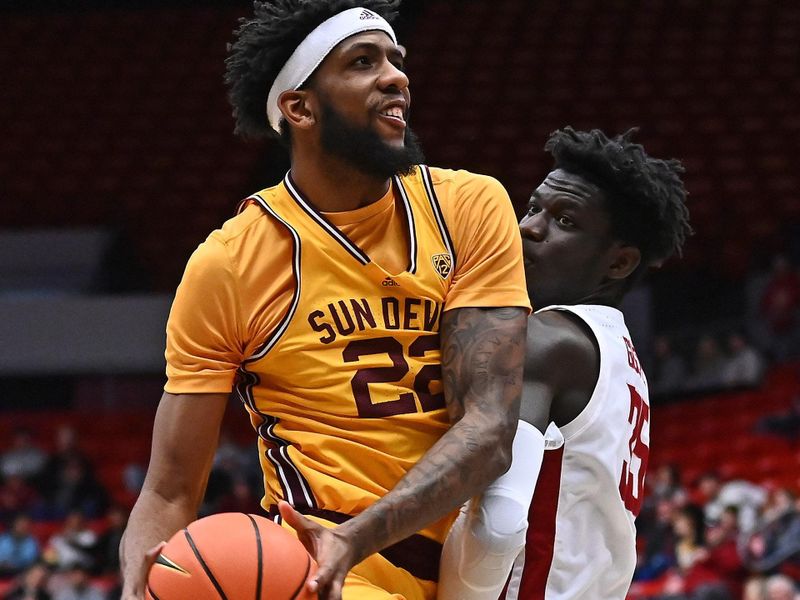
(562, 365)
(559, 340)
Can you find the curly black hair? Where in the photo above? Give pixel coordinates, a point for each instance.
(645, 196)
(265, 42)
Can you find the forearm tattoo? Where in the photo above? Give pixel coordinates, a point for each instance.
(483, 353)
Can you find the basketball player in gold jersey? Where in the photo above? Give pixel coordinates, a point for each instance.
(369, 312)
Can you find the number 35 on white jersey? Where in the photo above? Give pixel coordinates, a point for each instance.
(581, 536)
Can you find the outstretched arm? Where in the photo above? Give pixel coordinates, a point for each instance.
(482, 364)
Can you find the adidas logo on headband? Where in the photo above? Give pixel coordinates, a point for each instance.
(367, 14)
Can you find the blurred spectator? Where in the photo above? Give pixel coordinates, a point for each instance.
(73, 545)
(779, 307)
(232, 478)
(229, 456)
(707, 560)
(780, 587)
(67, 451)
(755, 589)
(78, 586)
(783, 424)
(31, 585)
(107, 546)
(68, 479)
(779, 501)
(75, 488)
(654, 525)
(219, 485)
(748, 498)
(659, 547)
(666, 484)
(239, 461)
(669, 368)
(723, 555)
(17, 496)
(774, 542)
(133, 477)
(692, 579)
(743, 364)
(24, 458)
(240, 498)
(19, 549)
(690, 533)
(707, 366)
(740, 365)
(132, 481)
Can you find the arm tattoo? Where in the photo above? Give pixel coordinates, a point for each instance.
(482, 361)
(481, 350)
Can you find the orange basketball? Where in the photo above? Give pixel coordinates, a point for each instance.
(233, 556)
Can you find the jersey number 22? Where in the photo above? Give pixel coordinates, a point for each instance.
(406, 403)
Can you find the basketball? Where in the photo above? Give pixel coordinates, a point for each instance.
(234, 556)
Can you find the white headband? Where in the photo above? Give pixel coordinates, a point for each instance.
(315, 47)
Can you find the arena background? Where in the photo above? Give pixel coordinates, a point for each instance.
(117, 159)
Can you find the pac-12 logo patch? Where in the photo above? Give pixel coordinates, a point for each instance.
(443, 263)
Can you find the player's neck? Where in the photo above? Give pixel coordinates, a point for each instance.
(599, 301)
(609, 293)
(334, 186)
(601, 297)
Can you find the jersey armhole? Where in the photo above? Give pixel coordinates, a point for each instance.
(586, 415)
(272, 338)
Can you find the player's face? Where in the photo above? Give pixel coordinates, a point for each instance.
(567, 241)
(363, 78)
(361, 102)
(362, 148)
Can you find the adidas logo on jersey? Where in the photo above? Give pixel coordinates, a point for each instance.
(389, 282)
(367, 14)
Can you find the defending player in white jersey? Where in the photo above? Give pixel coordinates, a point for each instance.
(599, 220)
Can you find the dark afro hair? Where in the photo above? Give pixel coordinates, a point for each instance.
(264, 43)
(645, 196)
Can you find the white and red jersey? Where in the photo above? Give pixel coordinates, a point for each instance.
(581, 541)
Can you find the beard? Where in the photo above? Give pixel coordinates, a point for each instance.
(363, 148)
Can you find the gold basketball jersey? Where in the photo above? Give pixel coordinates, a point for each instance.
(346, 393)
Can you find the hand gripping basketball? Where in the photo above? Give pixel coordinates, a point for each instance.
(333, 551)
(231, 556)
